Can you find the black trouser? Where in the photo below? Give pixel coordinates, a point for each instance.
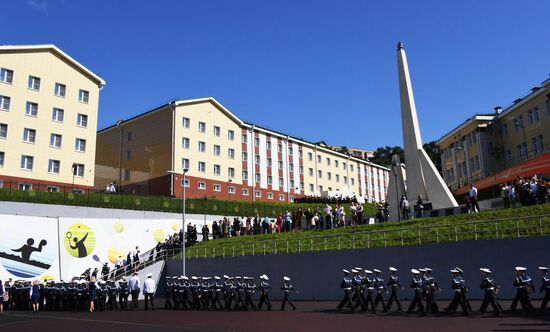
(149, 298)
(346, 300)
(490, 298)
(459, 298)
(358, 298)
(168, 302)
(379, 299)
(474, 204)
(370, 301)
(264, 298)
(285, 300)
(431, 305)
(545, 300)
(135, 295)
(393, 297)
(417, 301)
(229, 299)
(216, 300)
(523, 297)
(249, 302)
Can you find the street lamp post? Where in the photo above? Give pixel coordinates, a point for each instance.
(182, 218)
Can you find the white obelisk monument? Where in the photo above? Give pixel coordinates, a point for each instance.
(422, 178)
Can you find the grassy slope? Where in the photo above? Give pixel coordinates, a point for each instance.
(431, 230)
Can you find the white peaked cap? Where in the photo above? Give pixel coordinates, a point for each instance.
(377, 271)
(265, 277)
(149, 275)
(393, 269)
(454, 271)
(286, 278)
(194, 278)
(415, 271)
(354, 270)
(359, 269)
(486, 270)
(520, 268)
(180, 278)
(543, 268)
(217, 278)
(422, 270)
(185, 278)
(368, 271)
(345, 271)
(226, 276)
(428, 269)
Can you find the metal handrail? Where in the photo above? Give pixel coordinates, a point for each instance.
(439, 232)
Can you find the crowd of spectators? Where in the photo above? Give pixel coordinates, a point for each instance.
(525, 191)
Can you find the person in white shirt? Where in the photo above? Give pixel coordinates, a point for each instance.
(149, 289)
(473, 199)
(133, 287)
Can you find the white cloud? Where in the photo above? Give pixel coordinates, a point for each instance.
(40, 6)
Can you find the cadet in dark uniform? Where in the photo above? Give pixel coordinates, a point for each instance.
(194, 287)
(346, 285)
(458, 284)
(123, 293)
(545, 286)
(417, 285)
(431, 287)
(395, 286)
(228, 292)
(249, 293)
(357, 283)
(264, 288)
(112, 291)
(380, 290)
(370, 283)
(490, 287)
(524, 286)
(169, 293)
(287, 287)
(217, 288)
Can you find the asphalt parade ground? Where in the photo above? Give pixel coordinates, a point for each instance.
(309, 316)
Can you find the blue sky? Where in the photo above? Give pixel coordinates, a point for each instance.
(320, 70)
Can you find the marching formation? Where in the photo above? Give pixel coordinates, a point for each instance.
(231, 293)
(365, 290)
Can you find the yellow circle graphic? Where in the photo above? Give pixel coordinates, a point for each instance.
(113, 253)
(106, 199)
(79, 240)
(119, 227)
(175, 227)
(158, 235)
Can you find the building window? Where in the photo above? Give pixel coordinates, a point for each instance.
(243, 139)
(269, 195)
(2, 157)
(337, 178)
(310, 171)
(257, 159)
(328, 161)
(269, 179)
(320, 174)
(231, 190)
(184, 163)
(217, 131)
(256, 141)
(345, 180)
(217, 150)
(231, 172)
(53, 166)
(202, 166)
(31, 109)
(83, 96)
(280, 164)
(351, 168)
(185, 183)
(78, 170)
(3, 130)
(128, 155)
(52, 189)
(279, 148)
(202, 185)
(6, 75)
(269, 145)
(344, 165)
(508, 158)
(300, 154)
(269, 162)
(186, 122)
(5, 103)
(301, 169)
(290, 151)
(329, 176)
(231, 153)
(291, 167)
(522, 151)
(548, 105)
(25, 186)
(281, 197)
(292, 184)
(202, 146)
(185, 143)
(335, 163)
(128, 136)
(60, 89)
(301, 186)
(217, 188)
(318, 159)
(217, 169)
(34, 83)
(245, 192)
(504, 131)
(538, 144)
(258, 177)
(311, 187)
(202, 127)
(281, 182)
(245, 156)
(477, 166)
(352, 180)
(82, 120)
(231, 135)
(57, 115)
(310, 156)
(258, 194)
(55, 140)
(291, 199)
(245, 175)
(29, 135)
(320, 188)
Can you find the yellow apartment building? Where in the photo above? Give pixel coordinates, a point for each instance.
(48, 119)
(226, 158)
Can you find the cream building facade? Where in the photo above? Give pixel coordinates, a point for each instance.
(48, 119)
(487, 144)
(226, 158)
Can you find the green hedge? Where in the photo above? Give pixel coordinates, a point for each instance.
(162, 203)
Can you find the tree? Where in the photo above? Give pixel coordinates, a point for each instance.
(433, 151)
(382, 156)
